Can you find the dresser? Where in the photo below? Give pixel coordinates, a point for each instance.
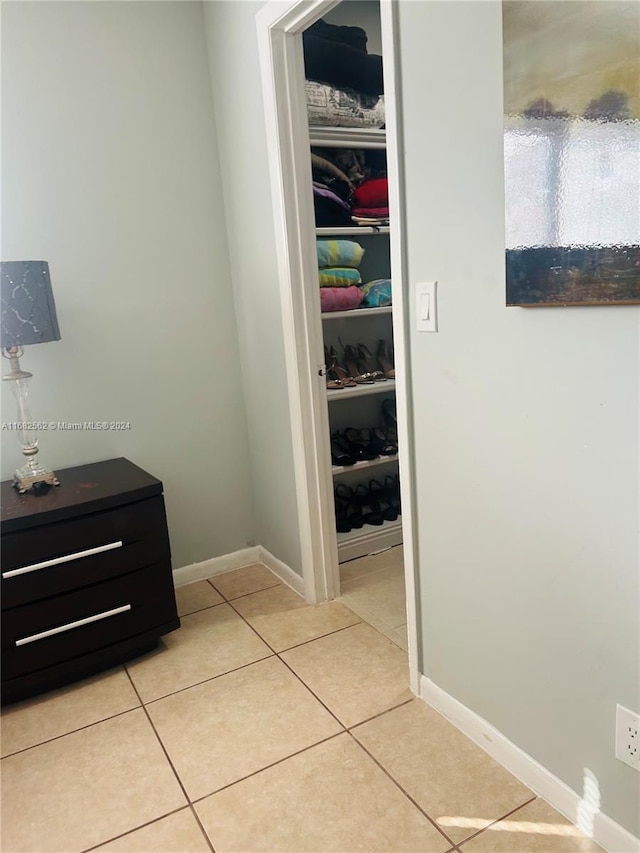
(86, 575)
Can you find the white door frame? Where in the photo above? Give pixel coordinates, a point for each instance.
(279, 25)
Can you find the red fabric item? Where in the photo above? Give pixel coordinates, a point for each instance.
(370, 212)
(373, 193)
(339, 298)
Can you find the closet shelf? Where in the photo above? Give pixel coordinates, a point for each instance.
(356, 312)
(348, 231)
(348, 137)
(369, 539)
(387, 387)
(367, 463)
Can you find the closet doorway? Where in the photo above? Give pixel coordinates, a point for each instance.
(332, 377)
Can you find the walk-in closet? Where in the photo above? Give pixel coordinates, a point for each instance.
(344, 91)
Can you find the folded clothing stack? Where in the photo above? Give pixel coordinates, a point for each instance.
(338, 274)
(346, 82)
(371, 202)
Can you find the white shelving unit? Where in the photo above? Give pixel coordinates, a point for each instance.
(352, 231)
(366, 463)
(362, 390)
(356, 312)
(369, 539)
(348, 137)
(368, 325)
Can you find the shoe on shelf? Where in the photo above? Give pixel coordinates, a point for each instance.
(371, 510)
(360, 445)
(392, 484)
(386, 441)
(341, 454)
(383, 499)
(336, 375)
(355, 369)
(365, 361)
(384, 356)
(389, 414)
(348, 511)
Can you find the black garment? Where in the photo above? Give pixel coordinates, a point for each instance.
(329, 57)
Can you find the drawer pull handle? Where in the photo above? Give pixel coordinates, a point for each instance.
(68, 627)
(34, 567)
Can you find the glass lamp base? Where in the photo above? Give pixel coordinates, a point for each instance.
(34, 476)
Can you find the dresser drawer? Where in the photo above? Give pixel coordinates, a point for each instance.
(39, 635)
(68, 555)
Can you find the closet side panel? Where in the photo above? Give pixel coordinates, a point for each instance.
(237, 93)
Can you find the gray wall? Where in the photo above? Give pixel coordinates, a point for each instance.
(239, 112)
(110, 173)
(526, 425)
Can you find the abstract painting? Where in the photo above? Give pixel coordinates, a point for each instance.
(572, 151)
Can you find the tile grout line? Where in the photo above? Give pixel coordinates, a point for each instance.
(497, 820)
(340, 723)
(135, 829)
(406, 794)
(73, 731)
(206, 680)
(175, 772)
(244, 594)
(266, 767)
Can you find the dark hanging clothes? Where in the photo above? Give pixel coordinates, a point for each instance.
(337, 55)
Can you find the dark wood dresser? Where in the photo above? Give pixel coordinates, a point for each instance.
(86, 575)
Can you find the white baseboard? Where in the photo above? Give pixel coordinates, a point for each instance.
(542, 782)
(216, 566)
(282, 570)
(238, 560)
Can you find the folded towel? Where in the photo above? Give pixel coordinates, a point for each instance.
(376, 293)
(370, 212)
(339, 277)
(339, 298)
(372, 193)
(332, 253)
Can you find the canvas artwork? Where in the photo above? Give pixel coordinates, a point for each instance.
(572, 151)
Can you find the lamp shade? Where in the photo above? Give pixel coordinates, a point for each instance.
(28, 308)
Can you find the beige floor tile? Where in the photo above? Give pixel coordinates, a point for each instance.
(196, 596)
(177, 833)
(209, 643)
(283, 619)
(382, 594)
(86, 787)
(536, 828)
(450, 777)
(244, 581)
(357, 672)
(329, 799)
(391, 557)
(399, 636)
(62, 711)
(220, 731)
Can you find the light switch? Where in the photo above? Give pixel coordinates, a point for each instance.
(427, 306)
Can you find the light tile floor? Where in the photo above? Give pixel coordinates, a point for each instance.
(263, 724)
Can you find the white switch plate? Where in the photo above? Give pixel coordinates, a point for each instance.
(427, 306)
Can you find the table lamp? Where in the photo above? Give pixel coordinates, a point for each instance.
(28, 317)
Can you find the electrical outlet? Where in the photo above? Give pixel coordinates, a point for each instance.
(628, 737)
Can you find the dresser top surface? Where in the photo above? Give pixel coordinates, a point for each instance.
(82, 490)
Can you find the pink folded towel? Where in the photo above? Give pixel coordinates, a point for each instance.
(339, 298)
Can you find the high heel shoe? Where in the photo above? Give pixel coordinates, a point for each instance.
(360, 376)
(359, 444)
(339, 371)
(364, 362)
(389, 414)
(384, 355)
(383, 498)
(348, 511)
(341, 454)
(371, 512)
(392, 484)
(336, 376)
(385, 441)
